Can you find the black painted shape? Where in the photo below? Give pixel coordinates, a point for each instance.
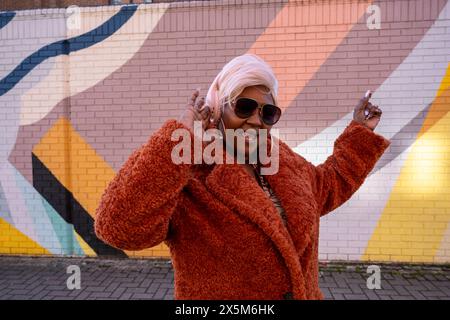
(69, 208)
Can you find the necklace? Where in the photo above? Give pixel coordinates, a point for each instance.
(269, 192)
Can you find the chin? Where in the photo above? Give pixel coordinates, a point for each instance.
(247, 152)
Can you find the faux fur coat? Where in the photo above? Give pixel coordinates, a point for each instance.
(226, 238)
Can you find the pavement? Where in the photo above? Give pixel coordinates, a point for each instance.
(46, 278)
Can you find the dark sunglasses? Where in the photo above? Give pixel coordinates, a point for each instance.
(268, 113)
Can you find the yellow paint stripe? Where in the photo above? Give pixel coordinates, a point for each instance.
(294, 52)
(440, 106)
(160, 250)
(445, 84)
(443, 254)
(12, 241)
(86, 248)
(417, 215)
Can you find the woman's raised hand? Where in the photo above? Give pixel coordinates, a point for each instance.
(196, 110)
(367, 113)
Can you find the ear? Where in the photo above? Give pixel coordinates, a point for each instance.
(217, 114)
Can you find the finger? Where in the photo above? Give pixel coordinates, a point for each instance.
(367, 109)
(376, 108)
(199, 103)
(375, 111)
(373, 108)
(194, 97)
(205, 111)
(199, 108)
(364, 100)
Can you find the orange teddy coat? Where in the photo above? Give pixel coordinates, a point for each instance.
(225, 236)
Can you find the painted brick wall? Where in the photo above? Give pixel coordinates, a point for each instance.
(79, 91)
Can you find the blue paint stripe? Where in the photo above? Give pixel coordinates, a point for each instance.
(67, 46)
(6, 17)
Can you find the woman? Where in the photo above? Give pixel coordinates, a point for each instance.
(232, 232)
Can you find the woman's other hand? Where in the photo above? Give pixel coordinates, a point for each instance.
(367, 113)
(196, 110)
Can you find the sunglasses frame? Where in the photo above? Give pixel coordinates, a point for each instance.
(259, 107)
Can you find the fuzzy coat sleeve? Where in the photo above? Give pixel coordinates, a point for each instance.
(136, 207)
(355, 153)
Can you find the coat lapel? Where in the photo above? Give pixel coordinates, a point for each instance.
(293, 187)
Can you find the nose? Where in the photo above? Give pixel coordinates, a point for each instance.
(255, 120)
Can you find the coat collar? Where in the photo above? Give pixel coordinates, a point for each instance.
(242, 194)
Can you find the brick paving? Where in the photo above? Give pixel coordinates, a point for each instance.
(45, 278)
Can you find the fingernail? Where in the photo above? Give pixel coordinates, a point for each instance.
(368, 94)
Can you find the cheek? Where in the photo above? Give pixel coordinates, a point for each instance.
(267, 128)
(230, 120)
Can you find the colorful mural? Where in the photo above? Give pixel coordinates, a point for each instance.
(78, 96)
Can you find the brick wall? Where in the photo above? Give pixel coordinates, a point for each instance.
(73, 111)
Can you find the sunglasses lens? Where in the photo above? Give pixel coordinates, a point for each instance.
(245, 107)
(271, 114)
